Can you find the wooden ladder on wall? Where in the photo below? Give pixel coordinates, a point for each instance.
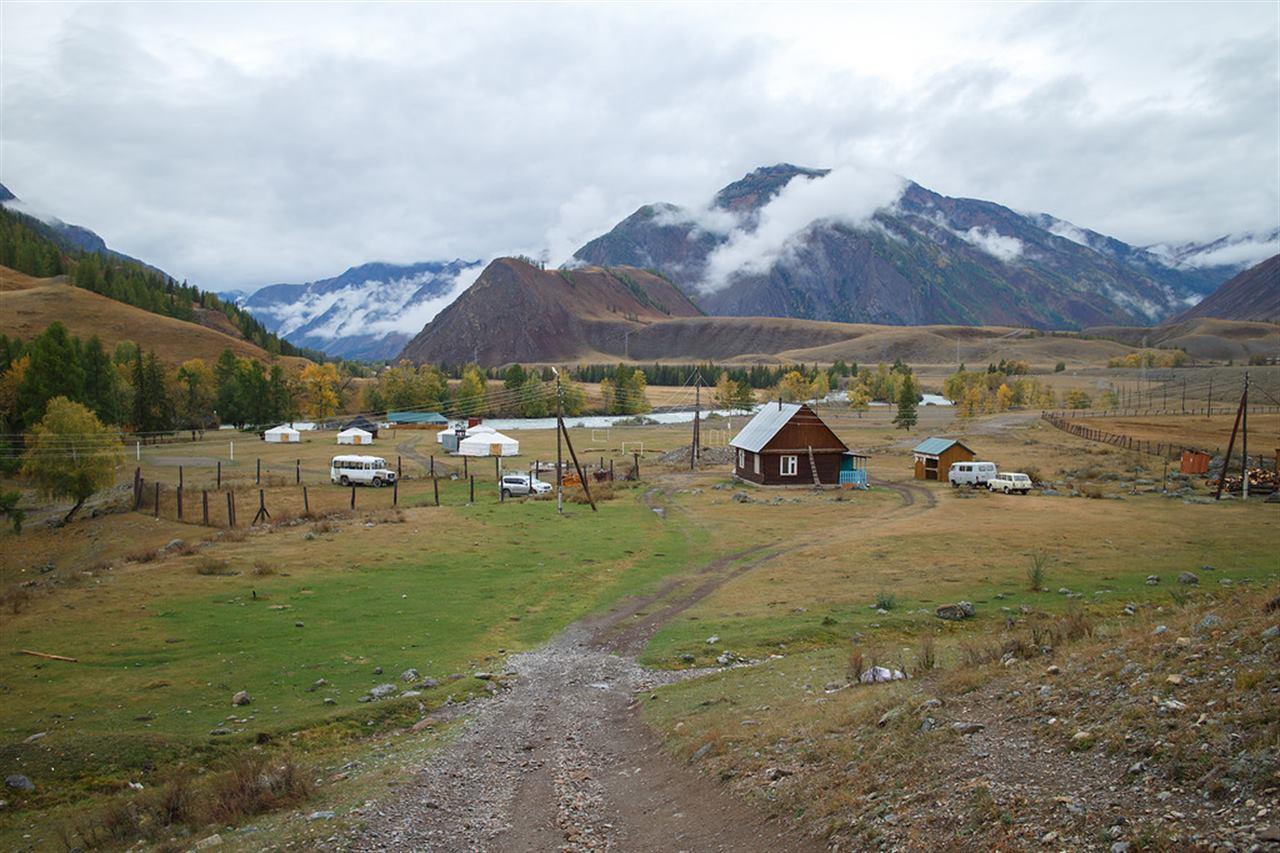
(813, 468)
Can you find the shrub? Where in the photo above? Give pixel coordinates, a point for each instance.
(1060, 367)
(255, 784)
(886, 600)
(16, 599)
(1035, 572)
(262, 567)
(211, 566)
(144, 555)
(926, 656)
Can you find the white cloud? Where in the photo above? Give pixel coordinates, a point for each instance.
(1067, 231)
(848, 195)
(712, 220)
(1245, 253)
(240, 144)
(991, 241)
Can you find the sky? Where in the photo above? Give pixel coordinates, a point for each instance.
(237, 144)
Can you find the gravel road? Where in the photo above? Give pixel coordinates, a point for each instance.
(562, 760)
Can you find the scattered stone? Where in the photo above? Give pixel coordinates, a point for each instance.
(928, 724)
(410, 675)
(1175, 680)
(319, 682)
(377, 670)
(1209, 622)
(173, 545)
(484, 676)
(1271, 633)
(687, 658)
(700, 752)
(299, 624)
(1208, 568)
(741, 498)
(428, 683)
(329, 700)
(1158, 630)
(241, 698)
(955, 612)
(210, 841)
(1082, 739)
(322, 815)
(1130, 609)
(35, 737)
(1183, 642)
(1226, 582)
(382, 691)
(1189, 578)
(1120, 847)
(219, 731)
(967, 728)
(1164, 795)
(1049, 837)
(1063, 591)
(1153, 580)
(18, 782)
(1053, 669)
(712, 640)
(773, 774)
(877, 674)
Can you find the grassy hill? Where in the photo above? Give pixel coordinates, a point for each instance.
(28, 305)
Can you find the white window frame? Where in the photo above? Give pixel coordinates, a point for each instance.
(787, 465)
(742, 461)
(756, 458)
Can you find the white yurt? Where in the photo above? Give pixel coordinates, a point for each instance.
(478, 429)
(282, 434)
(355, 435)
(491, 443)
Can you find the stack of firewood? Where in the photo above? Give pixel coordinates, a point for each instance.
(1262, 481)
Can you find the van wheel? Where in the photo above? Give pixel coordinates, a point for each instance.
(377, 482)
(954, 484)
(1006, 490)
(506, 493)
(345, 481)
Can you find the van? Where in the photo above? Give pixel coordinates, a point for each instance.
(520, 485)
(971, 474)
(360, 470)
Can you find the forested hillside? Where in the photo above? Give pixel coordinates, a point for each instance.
(29, 246)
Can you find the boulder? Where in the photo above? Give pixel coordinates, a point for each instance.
(18, 782)
(1153, 580)
(1188, 578)
(382, 691)
(409, 675)
(955, 612)
(1209, 622)
(741, 498)
(878, 674)
(967, 728)
(241, 698)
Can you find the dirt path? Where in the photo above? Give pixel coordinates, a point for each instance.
(562, 760)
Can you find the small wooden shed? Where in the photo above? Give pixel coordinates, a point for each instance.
(1195, 462)
(361, 422)
(934, 457)
(787, 444)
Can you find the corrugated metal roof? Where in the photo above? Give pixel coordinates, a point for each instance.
(764, 426)
(417, 418)
(933, 446)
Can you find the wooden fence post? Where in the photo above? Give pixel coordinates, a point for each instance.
(257, 478)
(395, 492)
(636, 456)
(435, 487)
(353, 497)
(204, 502)
(473, 488)
(181, 481)
(465, 468)
(137, 488)
(262, 514)
(231, 509)
(157, 498)
(297, 471)
(497, 469)
(306, 504)
(399, 473)
(433, 464)
(219, 473)
(179, 502)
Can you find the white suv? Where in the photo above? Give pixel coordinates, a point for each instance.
(1007, 483)
(520, 485)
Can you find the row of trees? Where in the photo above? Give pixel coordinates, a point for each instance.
(977, 392)
(514, 392)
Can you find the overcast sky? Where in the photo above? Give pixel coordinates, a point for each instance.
(238, 145)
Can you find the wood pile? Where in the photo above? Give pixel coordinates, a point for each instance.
(1262, 481)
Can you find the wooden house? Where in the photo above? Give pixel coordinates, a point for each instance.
(361, 422)
(933, 457)
(787, 444)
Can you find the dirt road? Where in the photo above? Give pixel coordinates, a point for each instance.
(562, 760)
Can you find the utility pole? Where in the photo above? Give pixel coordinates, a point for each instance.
(697, 412)
(1208, 410)
(1244, 442)
(559, 457)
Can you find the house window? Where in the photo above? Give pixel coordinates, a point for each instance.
(756, 458)
(787, 466)
(741, 460)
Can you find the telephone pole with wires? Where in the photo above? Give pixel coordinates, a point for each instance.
(559, 457)
(694, 450)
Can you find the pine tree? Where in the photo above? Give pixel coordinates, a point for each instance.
(53, 371)
(101, 382)
(906, 416)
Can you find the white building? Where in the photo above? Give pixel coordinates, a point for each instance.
(355, 435)
(491, 443)
(282, 435)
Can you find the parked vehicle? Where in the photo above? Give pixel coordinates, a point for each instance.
(353, 470)
(971, 474)
(520, 485)
(1007, 483)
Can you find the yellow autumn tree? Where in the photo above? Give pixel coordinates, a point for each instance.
(320, 390)
(1004, 398)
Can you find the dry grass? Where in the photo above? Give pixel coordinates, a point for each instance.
(15, 600)
(262, 568)
(212, 566)
(143, 555)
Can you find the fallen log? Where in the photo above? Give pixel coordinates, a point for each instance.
(47, 656)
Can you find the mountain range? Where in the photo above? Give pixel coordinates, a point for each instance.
(368, 312)
(1252, 295)
(778, 243)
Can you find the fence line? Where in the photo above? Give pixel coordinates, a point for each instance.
(1128, 442)
(1139, 412)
